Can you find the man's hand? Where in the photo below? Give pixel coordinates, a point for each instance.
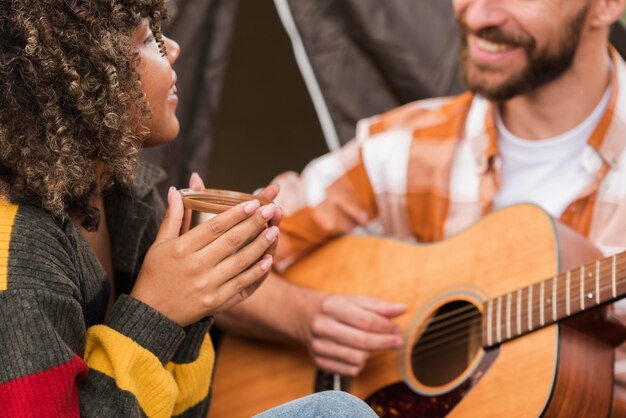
(345, 330)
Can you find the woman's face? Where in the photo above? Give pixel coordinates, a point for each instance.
(158, 82)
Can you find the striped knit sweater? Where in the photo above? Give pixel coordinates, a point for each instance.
(59, 355)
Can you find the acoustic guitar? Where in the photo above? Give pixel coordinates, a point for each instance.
(484, 335)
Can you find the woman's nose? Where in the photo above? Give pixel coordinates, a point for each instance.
(172, 48)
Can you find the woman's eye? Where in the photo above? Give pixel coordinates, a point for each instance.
(149, 39)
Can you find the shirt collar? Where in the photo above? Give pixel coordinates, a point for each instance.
(607, 140)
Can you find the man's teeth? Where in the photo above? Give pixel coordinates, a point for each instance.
(493, 47)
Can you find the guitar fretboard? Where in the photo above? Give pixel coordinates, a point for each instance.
(527, 309)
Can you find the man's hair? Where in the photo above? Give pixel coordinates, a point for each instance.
(70, 99)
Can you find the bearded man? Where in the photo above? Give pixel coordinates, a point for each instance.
(543, 122)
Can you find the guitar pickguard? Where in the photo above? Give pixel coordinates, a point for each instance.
(399, 401)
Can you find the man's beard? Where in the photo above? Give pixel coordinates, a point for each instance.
(542, 66)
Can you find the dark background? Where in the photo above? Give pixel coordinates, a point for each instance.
(266, 123)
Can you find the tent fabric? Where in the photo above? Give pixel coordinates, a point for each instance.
(203, 28)
(369, 56)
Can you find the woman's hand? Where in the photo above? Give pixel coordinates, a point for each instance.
(208, 269)
(269, 193)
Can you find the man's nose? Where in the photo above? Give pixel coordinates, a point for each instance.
(480, 14)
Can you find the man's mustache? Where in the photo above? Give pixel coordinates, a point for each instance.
(496, 35)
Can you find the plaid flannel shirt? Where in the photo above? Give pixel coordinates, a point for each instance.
(429, 169)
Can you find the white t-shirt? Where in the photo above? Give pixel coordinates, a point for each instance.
(548, 172)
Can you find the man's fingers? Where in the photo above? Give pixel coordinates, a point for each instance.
(335, 366)
(173, 220)
(358, 316)
(327, 327)
(379, 306)
(331, 350)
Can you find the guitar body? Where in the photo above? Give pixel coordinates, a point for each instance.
(559, 370)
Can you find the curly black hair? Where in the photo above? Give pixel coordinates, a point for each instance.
(70, 99)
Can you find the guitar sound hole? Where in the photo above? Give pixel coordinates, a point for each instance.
(448, 345)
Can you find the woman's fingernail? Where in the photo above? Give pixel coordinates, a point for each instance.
(272, 233)
(251, 206)
(170, 193)
(268, 211)
(266, 263)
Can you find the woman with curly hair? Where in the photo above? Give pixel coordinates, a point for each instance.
(104, 306)
(104, 310)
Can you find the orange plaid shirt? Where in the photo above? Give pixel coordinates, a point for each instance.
(429, 169)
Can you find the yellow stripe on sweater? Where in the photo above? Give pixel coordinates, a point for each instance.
(7, 217)
(133, 368)
(193, 379)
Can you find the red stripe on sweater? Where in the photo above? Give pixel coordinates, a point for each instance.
(50, 393)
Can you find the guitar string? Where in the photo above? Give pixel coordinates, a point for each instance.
(456, 337)
(462, 314)
(398, 355)
(472, 332)
(574, 296)
(445, 335)
(428, 335)
(456, 311)
(536, 302)
(451, 341)
(574, 300)
(450, 330)
(590, 286)
(432, 351)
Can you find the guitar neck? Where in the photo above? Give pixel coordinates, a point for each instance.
(527, 309)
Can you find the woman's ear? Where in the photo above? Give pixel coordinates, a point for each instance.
(606, 12)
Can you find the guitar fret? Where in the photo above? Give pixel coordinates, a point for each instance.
(519, 312)
(554, 301)
(614, 268)
(508, 315)
(567, 295)
(530, 308)
(510, 319)
(598, 282)
(489, 318)
(582, 288)
(542, 290)
(499, 320)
